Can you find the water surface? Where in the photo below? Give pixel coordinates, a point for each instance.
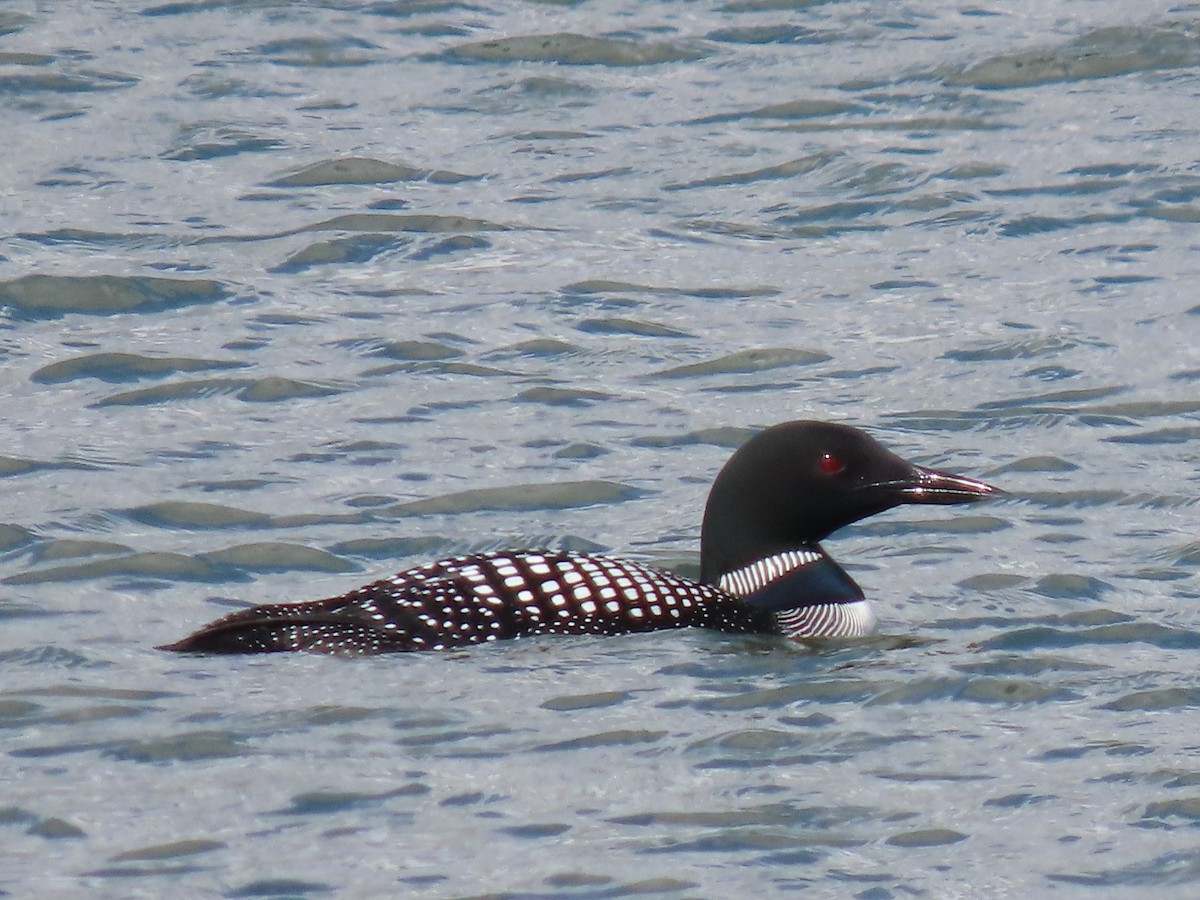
(296, 295)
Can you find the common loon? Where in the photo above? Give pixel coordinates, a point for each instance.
(762, 568)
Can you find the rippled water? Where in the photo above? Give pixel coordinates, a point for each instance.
(298, 294)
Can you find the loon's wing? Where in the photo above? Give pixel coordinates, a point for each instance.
(481, 598)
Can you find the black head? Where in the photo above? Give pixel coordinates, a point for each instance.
(795, 484)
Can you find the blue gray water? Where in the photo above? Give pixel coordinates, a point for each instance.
(295, 295)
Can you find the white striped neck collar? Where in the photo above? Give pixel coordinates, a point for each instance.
(809, 595)
(762, 572)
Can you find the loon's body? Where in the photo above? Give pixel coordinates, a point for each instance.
(762, 567)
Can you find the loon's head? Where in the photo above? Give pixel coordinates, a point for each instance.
(794, 484)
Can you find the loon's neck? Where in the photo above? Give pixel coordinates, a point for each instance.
(809, 594)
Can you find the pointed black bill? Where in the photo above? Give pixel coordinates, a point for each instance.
(932, 486)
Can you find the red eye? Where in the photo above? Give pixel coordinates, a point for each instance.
(829, 464)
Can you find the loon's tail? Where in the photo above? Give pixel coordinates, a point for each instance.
(288, 627)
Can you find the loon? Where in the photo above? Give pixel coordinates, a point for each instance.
(762, 568)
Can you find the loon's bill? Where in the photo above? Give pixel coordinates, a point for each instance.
(762, 567)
